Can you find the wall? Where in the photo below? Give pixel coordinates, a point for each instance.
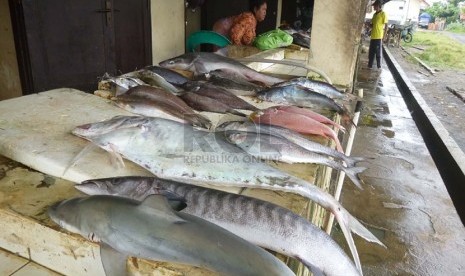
(192, 20)
(168, 29)
(336, 33)
(10, 84)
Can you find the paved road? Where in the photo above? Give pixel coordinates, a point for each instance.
(458, 37)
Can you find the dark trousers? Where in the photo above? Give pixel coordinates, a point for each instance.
(375, 50)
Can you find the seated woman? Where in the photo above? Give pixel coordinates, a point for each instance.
(240, 29)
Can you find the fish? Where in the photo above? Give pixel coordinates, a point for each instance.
(168, 99)
(274, 148)
(179, 152)
(108, 125)
(321, 87)
(204, 103)
(202, 62)
(154, 79)
(296, 122)
(292, 136)
(150, 109)
(308, 113)
(170, 76)
(235, 84)
(301, 40)
(219, 94)
(151, 229)
(122, 84)
(302, 97)
(259, 222)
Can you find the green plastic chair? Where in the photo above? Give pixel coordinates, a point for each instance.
(205, 37)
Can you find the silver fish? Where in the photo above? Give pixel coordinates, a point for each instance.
(153, 230)
(292, 136)
(154, 79)
(170, 76)
(150, 109)
(262, 223)
(202, 62)
(270, 147)
(175, 151)
(122, 84)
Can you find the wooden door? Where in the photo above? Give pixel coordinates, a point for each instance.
(73, 43)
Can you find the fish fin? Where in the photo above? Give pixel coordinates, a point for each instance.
(176, 201)
(352, 161)
(358, 228)
(352, 173)
(114, 262)
(160, 204)
(84, 151)
(115, 158)
(343, 218)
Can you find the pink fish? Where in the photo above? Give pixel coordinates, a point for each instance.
(296, 122)
(308, 113)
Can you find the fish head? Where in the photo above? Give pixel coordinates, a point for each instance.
(182, 62)
(67, 215)
(132, 186)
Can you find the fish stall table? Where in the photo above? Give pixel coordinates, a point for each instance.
(36, 145)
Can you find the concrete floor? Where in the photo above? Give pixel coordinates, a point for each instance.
(404, 201)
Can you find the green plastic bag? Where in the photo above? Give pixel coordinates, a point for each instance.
(273, 39)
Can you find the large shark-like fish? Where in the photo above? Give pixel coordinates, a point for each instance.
(179, 152)
(257, 221)
(153, 230)
(202, 63)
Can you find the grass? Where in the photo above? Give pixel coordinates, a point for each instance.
(456, 27)
(440, 51)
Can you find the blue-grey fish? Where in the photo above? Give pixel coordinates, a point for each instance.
(317, 86)
(202, 62)
(153, 230)
(262, 223)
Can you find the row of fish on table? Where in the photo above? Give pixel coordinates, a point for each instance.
(176, 216)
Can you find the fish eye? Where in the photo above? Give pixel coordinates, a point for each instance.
(171, 62)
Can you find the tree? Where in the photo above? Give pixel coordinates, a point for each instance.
(448, 11)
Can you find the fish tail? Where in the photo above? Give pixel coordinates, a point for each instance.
(352, 173)
(358, 228)
(343, 218)
(352, 161)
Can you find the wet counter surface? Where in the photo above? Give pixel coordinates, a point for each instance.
(405, 202)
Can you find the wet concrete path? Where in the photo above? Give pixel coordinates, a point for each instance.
(404, 201)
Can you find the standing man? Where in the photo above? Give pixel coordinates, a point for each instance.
(378, 30)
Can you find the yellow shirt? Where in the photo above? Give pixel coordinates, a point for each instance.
(378, 22)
